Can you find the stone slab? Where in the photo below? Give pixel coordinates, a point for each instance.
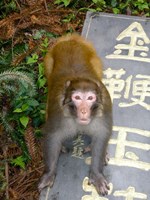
(123, 43)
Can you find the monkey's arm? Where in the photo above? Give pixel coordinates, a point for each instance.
(52, 146)
(99, 147)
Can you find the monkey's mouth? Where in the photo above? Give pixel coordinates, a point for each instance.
(84, 121)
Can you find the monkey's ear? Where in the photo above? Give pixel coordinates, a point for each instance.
(67, 84)
(98, 84)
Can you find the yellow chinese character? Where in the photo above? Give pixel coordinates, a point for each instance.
(129, 159)
(141, 89)
(135, 50)
(130, 194)
(114, 83)
(78, 147)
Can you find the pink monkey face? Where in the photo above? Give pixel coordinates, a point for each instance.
(83, 102)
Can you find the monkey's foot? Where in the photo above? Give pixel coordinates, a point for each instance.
(100, 183)
(46, 180)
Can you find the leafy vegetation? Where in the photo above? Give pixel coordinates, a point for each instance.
(132, 7)
(27, 30)
(22, 97)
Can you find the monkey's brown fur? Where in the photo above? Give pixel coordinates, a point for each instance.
(72, 66)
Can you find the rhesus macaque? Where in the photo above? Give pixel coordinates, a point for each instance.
(77, 102)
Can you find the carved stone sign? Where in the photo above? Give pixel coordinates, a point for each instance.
(123, 43)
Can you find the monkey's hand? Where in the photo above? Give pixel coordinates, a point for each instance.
(100, 183)
(46, 180)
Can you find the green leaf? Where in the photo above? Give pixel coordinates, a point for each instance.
(33, 59)
(25, 107)
(115, 10)
(45, 43)
(24, 120)
(94, 1)
(41, 69)
(41, 82)
(33, 102)
(19, 161)
(18, 110)
(65, 2)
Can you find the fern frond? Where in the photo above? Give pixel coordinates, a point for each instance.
(30, 142)
(20, 77)
(6, 124)
(8, 89)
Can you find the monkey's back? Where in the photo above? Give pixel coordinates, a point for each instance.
(73, 56)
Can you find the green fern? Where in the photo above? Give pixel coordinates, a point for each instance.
(13, 84)
(8, 89)
(10, 79)
(6, 124)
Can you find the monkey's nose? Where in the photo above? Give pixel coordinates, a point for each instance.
(83, 111)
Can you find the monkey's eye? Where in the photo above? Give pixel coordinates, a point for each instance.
(77, 97)
(90, 98)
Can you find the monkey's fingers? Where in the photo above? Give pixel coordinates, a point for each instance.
(100, 184)
(46, 180)
(103, 188)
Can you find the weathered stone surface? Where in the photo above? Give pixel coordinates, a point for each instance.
(123, 43)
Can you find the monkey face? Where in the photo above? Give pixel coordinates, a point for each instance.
(82, 98)
(83, 102)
